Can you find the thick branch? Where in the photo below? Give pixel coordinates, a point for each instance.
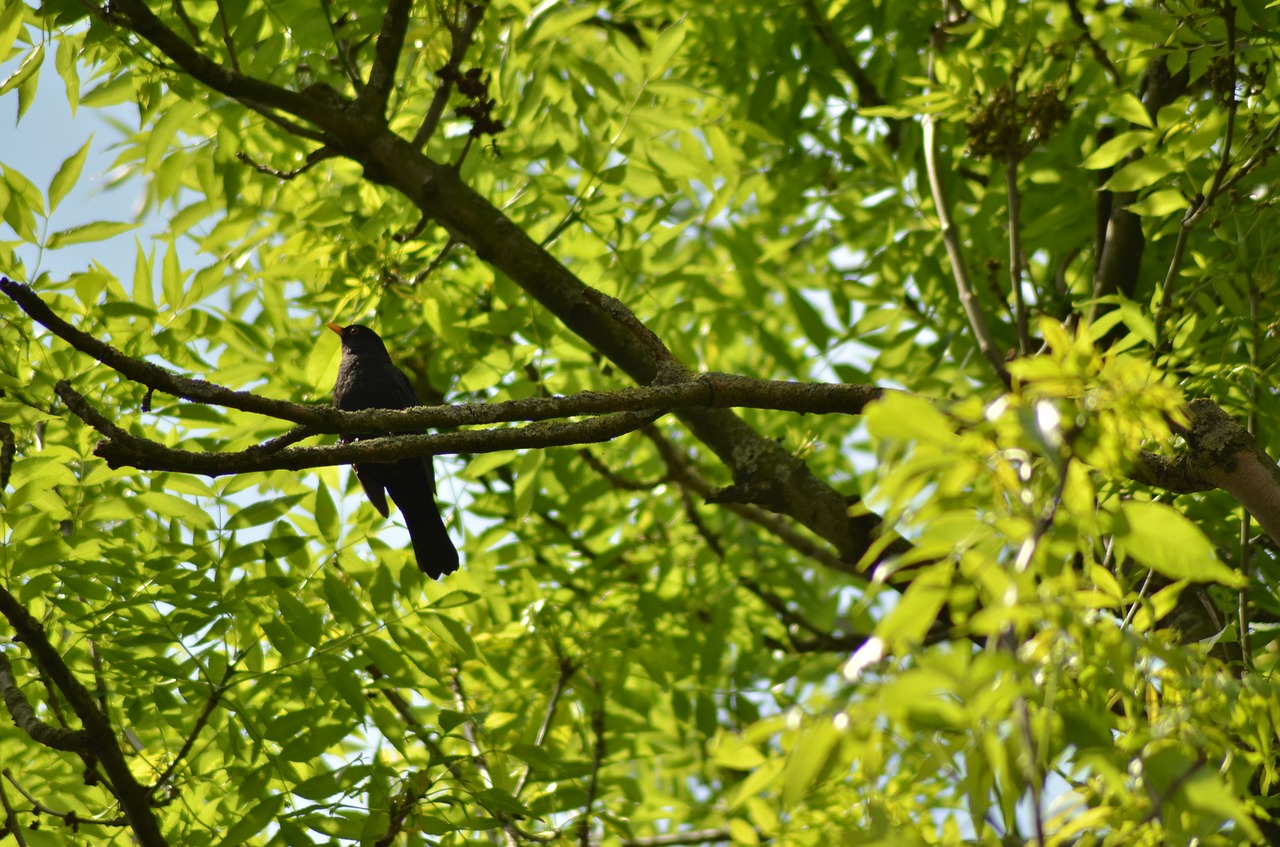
(157, 377)
(98, 733)
(373, 100)
(123, 449)
(602, 321)
(73, 740)
(1223, 455)
(246, 89)
(710, 389)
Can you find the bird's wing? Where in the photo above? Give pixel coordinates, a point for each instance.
(372, 480)
(404, 395)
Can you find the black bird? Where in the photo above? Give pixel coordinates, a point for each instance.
(367, 379)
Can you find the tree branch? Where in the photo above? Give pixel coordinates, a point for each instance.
(69, 818)
(955, 253)
(1223, 455)
(598, 752)
(373, 100)
(122, 449)
(1016, 260)
(246, 89)
(868, 94)
(709, 389)
(460, 42)
(1098, 53)
(71, 740)
(99, 736)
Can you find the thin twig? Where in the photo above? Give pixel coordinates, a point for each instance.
(597, 759)
(567, 670)
(617, 480)
(1031, 770)
(1098, 53)
(215, 697)
(1015, 254)
(313, 158)
(436, 262)
(69, 818)
(227, 40)
(477, 754)
(192, 30)
(1201, 204)
(10, 824)
(955, 252)
(461, 36)
(344, 54)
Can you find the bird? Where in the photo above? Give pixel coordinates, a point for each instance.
(368, 379)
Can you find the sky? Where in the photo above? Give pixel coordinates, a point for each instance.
(38, 144)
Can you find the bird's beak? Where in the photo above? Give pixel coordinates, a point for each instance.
(336, 328)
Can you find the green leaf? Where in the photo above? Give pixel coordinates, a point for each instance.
(1117, 148)
(666, 46)
(342, 601)
(28, 87)
(1159, 203)
(730, 751)
(450, 720)
(110, 93)
(143, 293)
(909, 621)
(326, 514)
(11, 18)
(815, 329)
(454, 599)
(527, 484)
(252, 822)
(812, 757)
(1160, 537)
(169, 506)
(86, 233)
(1126, 105)
(264, 511)
(161, 136)
(909, 418)
(301, 619)
(25, 71)
(65, 179)
(1141, 173)
(64, 59)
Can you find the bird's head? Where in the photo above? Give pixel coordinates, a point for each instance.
(359, 340)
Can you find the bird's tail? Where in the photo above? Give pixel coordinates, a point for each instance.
(431, 543)
(411, 483)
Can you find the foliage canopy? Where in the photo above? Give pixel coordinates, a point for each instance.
(1011, 602)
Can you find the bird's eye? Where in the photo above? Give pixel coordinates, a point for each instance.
(353, 330)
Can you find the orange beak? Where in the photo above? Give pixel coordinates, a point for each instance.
(336, 328)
